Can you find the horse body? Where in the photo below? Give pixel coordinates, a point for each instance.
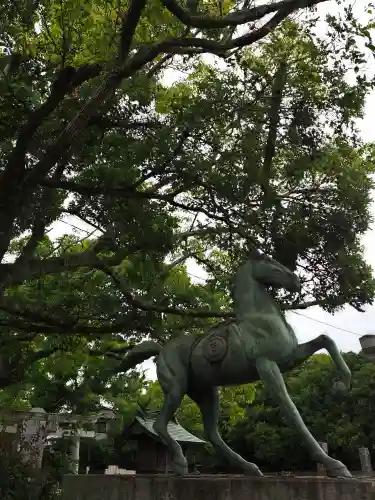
(258, 345)
(243, 343)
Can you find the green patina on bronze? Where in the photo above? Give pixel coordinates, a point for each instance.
(258, 345)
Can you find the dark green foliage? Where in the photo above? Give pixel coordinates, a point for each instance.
(261, 151)
(344, 422)
(23, 481)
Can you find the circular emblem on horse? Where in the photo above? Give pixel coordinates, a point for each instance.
(216, 348)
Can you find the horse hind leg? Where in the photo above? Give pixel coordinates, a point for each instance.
(306, 350)
(174, 388)
(273, 381)
(209, 404)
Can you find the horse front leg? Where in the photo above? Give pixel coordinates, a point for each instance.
(208, 400)
(172, 401)
(306, 350)
(273, 381)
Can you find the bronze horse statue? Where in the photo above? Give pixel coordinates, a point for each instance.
(258, 345)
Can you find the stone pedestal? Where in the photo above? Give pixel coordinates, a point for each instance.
(365, 458)
(167, 487)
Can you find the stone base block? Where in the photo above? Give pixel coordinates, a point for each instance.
(164, 487)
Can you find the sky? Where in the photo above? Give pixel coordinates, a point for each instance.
(344, 327)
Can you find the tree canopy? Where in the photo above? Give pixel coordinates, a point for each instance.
(112, 113)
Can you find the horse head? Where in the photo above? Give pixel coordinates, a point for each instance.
(269, 272)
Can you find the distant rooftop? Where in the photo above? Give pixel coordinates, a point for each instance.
(174, 428)
(145, 419)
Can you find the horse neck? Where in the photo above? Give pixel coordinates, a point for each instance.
(251, 297)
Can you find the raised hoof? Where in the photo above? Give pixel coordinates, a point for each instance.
(338, 470)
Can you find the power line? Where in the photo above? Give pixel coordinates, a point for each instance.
(327, 324)
(195, 276)
(75, 227)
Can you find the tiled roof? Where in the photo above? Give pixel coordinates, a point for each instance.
(175, 430)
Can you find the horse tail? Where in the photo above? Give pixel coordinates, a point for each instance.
(173, 362)
(140, 353)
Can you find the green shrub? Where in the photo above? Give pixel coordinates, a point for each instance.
(22, 478)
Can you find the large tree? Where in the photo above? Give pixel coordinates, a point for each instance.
(258, 152)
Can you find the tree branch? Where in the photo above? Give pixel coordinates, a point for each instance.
(129, 24)
(179, 260)
(129, 191)
(77, 213)
(94, 190)
(170, 158)
(35, 316)
(279, 82)
(12, 274)
(52, 326)
(13, 370)
(11, 180)
(303, 305)
(145, 54)
(16, 338)
(40, 222)
(39, 321)
(235, 18)
(59, 89)
(91, 332)
(139, 304)
(62, 146)
(107, 122)
(159, 65)
(85, 73)
(196, 313)
(13, 176)
(18, 184)
(199, 233)
(66, 80)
